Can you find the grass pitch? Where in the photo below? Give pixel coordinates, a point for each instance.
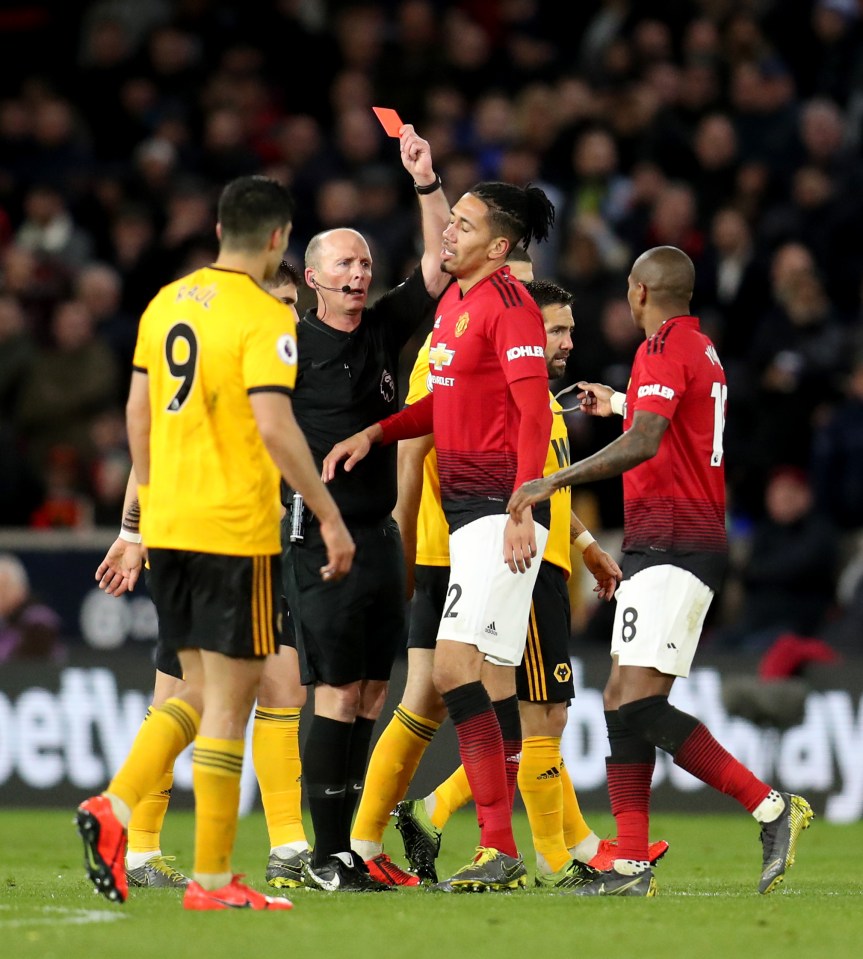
(707, 907)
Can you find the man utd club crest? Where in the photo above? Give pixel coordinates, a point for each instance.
(461, 326)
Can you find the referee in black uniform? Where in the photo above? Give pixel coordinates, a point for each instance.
(348, 632)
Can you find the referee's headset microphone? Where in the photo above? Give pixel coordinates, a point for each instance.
(333, 289)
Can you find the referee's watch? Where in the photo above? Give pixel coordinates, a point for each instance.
(429, 188)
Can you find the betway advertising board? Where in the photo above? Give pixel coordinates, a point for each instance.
(65, 729)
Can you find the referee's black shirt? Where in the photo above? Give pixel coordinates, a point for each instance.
(346, 382)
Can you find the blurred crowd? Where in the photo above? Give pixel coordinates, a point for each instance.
(732, 129)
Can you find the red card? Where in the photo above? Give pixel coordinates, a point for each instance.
(390, 120)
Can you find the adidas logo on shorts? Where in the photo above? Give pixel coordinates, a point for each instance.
(490, 629)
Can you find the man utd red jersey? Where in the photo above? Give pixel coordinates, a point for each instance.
(674, 503)
(483, 341)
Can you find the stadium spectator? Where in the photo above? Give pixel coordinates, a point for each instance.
(104, 64)
(731, 287)
(17, 352)
(134, 250)
(762, 97)
(598, 189)
(29, 630)
(592, 265)
(108, 467)
(62, 156)
(798, 356)
(225, 151)
(66, 503)
(70, 382)
(837, 456)
(50, 231)
(788, 576)
(714, 175)
(674, 222)
(386, 223)
(832, 50)
(99, 287)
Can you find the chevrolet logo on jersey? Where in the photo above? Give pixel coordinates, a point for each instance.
(461, 326)
(440, 356)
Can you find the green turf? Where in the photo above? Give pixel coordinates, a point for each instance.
(707, 905)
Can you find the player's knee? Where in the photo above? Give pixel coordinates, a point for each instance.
(338, 702)
(425, 702)
(447, 675)
(542, 719)
(658, 722)
(556, 719)
(373, 697)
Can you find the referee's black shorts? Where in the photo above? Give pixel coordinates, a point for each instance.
(545, 673)
(352, 629)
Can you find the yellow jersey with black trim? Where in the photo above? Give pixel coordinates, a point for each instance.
(557, 548)
(432, 527)
(206, 342)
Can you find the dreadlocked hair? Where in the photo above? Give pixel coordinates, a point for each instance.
(519, 214)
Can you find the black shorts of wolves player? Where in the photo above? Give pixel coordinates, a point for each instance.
(165, 660)
(430, 586)
(545, 673)
(222, 604)
(351, 629)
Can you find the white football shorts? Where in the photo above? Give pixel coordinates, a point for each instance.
(487, 605)
(658, 619)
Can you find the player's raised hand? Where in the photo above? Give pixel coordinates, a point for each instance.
(595, 398)
(416, 155)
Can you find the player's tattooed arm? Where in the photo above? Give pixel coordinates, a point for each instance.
(639, 443)
(131, 522)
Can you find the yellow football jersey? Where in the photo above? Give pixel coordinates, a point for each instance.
(557, 549)
(432, 527)
(206, 342)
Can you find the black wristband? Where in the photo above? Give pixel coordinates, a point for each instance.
(425, 190)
